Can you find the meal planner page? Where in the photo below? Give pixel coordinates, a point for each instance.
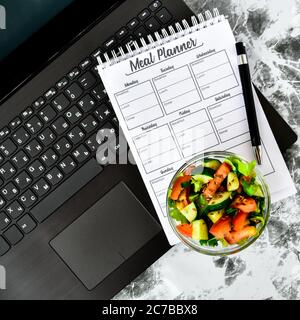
(182, 98)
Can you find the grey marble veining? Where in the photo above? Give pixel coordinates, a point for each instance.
(270, 268)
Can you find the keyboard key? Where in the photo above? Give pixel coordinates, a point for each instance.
(99, 92)
(133, 24)
(20, 159)
(8, 147)
(13, 235)
(21, 136)
(74, 74)
(152, 25)
(60, 125)
(85, 63)
(50, 93)
(76, 135)
(155, 5)
(67, 165)
(144, 14)
(1, 158)
(81, 153)
(14, 210)
(26, 113)
(47, 137)
(36, 169)
(49, 158)
(54, 176)
(74, 91)
(28, 198)
(7, 170)
(33, 148)
(41, 187)
(141, 32)
(34, 125)
(2, 202)
(66, 190)
(73, 115)
(47, 114)
(164, 16)
(62, 83)
(102, 113)
(4, 246)
(110, 43)
(86, 103)
(122, 33)
(96, 53)
(9, 191)
(87, 80)
(60, 102)
(15, 123)
(92, 143)
(89, 124)
(1, 182)
(39, 102)
(62, 146)
(26, 224)
(4, 221)
(4, 132)
(23, 180)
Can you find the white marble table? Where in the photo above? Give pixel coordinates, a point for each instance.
(270, 269)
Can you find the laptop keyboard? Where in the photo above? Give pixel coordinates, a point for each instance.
(47, 153)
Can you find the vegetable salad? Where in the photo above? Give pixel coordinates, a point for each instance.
(218, 202)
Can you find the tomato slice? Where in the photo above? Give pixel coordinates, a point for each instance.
(239, 220)
(177, 188)
(236, 236)
(244, 204)
(221, 228)
(185, 229)
(219, 176)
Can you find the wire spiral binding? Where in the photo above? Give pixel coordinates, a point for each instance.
(164, 36)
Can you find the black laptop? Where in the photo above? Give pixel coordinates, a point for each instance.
(66, 227)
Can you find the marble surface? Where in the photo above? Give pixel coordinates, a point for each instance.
(270, 269)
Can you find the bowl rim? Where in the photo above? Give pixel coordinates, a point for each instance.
(236, 248)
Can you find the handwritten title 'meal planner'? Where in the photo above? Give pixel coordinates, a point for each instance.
(161, 53)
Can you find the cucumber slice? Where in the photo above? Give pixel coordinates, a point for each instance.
(219, 201)
(190, 212)
(212, 163)
(214, 216)
(202, 178)
(199, 230)
(232, 181)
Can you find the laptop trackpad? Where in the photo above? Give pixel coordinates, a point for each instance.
(108, 233)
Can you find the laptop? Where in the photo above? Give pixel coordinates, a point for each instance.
(70, 228)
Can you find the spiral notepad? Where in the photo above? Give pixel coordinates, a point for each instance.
(177, 94)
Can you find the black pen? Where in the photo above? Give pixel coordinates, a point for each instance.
(249, 100)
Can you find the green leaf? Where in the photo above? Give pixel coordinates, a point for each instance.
(203, 242)
(252, 189)
(245, 168)
(212, 242)
(197, 185)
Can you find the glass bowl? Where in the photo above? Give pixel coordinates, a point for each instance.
(220, 250)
